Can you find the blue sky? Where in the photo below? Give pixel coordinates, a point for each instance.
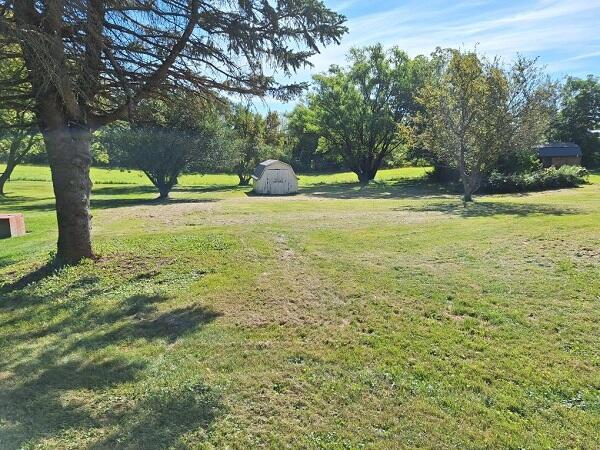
(563, 34)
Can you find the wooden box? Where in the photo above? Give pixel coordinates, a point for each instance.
(11, 225)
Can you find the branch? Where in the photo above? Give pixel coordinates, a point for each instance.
(159, 75)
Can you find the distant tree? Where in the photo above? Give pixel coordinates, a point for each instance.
(273, 134)
(579, 114)
(19, 138)
(164, 139)
(475, 110)
(253, 138)
(247, 142)
(361, 112)
(89, 63)
(302, 142)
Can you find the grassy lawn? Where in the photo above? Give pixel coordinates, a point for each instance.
(389, 316)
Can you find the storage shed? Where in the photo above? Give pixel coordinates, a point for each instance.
(273, 177)
(560, 154)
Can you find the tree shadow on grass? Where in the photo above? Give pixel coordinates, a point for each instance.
(20, 204)
(137, 189)
(487, 209)
(69, 368)
(44, 271)
(409, 188)
(9, 200)
(111, 203)
(6, 261)
(211, 188)
(128, 189)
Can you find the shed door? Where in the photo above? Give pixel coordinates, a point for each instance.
(276, 181)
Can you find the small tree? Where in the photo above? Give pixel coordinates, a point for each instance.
(18, 139)
(253, 139)
(475, 110)
(361, 111)
(19, 135)
(164, 140)
(247, 142)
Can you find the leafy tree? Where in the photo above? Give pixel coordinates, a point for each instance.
(18, 139)
(302, 142)
(18, 131)
(89, 63)
(247, 142)
(579, 114)
(475, 110)
(162, 140)
(253, 138)
(361, 112)
(273, 136)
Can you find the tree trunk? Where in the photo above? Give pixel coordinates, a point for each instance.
(366, 175)
(70, 160)
(164, 192)
(467, 190)
(6, 175)
(244, 181)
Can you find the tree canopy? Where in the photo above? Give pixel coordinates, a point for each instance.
(163, 139)
(253, 138)
(360, 111)
(475, 110)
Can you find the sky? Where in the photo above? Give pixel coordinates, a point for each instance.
(563, 34)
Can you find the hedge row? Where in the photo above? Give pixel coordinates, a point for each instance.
(540, 180)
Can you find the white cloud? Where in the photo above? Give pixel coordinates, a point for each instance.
(420, 26)
(564, 33)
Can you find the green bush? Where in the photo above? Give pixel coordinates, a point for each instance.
(539, 180)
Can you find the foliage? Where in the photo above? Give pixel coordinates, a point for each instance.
(117, 54)
(475, 110)
(19, 138)
(252, 140)
(362, 112)
(164, 139)
(539, 180)
(579, 114)
(302, 143)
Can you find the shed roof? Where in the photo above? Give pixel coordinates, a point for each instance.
(559, 149)
(259, 169)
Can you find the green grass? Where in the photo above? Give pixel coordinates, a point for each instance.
(122, 176)
(389, 316)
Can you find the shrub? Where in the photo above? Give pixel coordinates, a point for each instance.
(539, 180)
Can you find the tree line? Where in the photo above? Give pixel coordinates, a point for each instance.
(456, 110)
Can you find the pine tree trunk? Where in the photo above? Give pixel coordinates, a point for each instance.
(70, 160)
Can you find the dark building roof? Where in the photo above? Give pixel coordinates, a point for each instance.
(559, 149)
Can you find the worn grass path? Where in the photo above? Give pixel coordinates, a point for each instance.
(383, 317)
